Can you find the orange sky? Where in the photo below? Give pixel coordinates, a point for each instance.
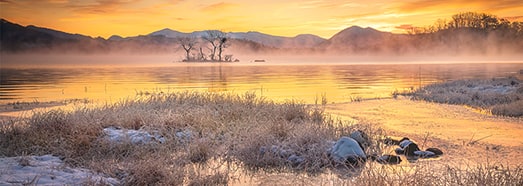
(277, 17)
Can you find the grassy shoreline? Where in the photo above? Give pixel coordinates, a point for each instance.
(498, 96)
(227, 133)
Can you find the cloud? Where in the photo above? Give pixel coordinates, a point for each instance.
(101, 6)
(5, 2)
(327, 4)
(57, 1)
(218, 7)
(481, 5)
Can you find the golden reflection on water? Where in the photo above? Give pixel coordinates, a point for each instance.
(304, 83)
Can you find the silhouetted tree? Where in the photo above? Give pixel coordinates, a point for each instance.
(187, 43)
(218, 41)
(212, 37)
(223, 43)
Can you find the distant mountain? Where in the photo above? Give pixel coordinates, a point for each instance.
(169, 33)
(358, 34)
(115, 38)
(57, 34)
(300, 41)
(354, 40)
(15, 38)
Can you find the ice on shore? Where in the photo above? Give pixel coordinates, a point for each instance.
(134, 136)
(47, 170)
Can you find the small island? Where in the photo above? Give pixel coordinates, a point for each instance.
(214, 40)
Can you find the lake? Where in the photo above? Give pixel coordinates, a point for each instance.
(305, 83)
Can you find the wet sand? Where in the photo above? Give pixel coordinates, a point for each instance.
(14, 110)
(462, 132)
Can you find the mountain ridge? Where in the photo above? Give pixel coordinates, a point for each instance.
(353, 40)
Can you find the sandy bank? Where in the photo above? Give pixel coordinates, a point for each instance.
(460, 130)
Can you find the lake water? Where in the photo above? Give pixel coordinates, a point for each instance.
(279, 82)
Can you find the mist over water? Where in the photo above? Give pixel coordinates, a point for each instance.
(279, 79)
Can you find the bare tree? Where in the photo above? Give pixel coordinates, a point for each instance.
(218, 41)
(187, 44)
(223, 43)
(212, 37)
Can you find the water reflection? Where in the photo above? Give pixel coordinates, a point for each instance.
(340, 83)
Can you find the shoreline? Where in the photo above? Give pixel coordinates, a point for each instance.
(468, 138)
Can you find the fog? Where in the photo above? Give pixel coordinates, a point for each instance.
(150, 60)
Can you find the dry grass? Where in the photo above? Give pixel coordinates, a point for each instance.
(510, 109)
(429, 174)
(222, 126)
(227, 135)
(503, 96)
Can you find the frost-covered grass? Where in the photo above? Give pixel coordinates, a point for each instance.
(503, 96)
(214, 139)
(200, 128)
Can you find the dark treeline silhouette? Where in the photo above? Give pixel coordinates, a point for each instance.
(471, 33)
(472, 20)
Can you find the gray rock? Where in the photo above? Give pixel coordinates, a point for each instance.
(425, 154)
(389, 159)
(436, 151)
(361, 138)
(346, 150)
(405, 143)
(134, 136)
(295, 160)
(399, 151)
(184, 136)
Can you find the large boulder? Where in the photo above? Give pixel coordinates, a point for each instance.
(347, 150)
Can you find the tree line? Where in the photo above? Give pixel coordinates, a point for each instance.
(472, 20)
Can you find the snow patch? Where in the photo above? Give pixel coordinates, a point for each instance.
(47, 170)
(134, 136)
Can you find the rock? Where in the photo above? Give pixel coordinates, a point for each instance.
(134, 136)
(436, 151)
(184, 136)
(519, 90)
(390, 141)
(405, 142)
(361, 138)
(295, 160)
(389, 159)
(399, 151)
(424, 154)
(408, 149)
(347, 150)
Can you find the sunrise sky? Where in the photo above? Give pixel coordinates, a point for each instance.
(277, 17)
